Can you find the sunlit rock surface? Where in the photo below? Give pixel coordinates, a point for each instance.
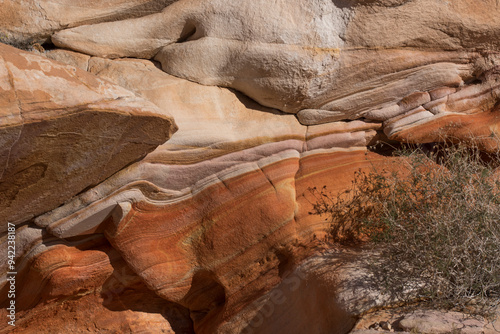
(63, 130)
(327, 60)
(33, 21)
(271, 98)
(197, 216)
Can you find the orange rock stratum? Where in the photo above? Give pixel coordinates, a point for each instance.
(156, 156)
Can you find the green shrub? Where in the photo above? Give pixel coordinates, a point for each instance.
(435, 219)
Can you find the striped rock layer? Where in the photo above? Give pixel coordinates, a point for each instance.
(34, 21)
(63, 130)
(271, 98)
(211, 218)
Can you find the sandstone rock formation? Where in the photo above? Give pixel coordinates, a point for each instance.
(425, 321)
(332, 287)
(332, 61)
(234, 168)
(208, 231)
(441, 322)
(69, 271)
(33, 21)
(63, 130)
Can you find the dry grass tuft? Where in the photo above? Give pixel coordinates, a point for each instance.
(437, 221)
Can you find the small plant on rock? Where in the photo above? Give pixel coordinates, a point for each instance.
(436, 220)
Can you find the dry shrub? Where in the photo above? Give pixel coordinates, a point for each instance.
(436, 221)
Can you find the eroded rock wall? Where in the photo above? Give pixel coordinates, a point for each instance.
(63, 130)
(271, 98)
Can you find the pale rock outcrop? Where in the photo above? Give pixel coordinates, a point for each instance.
(372, 331)
(33, 21)
(426, 321)
(63, 130)
(75, 59)
(333, 60)
(436, 322)
(422, 319)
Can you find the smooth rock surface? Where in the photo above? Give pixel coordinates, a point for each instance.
(75, 59)
(317, 289)
(415, 319)
(437, 322)
(63, 130)
(33, 21)
(195, 218)
(210, 232)
(342, 58)
(372, 331)
(83, 286)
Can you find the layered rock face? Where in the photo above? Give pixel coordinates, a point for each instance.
(63, 130)
(30, 21)
(324, 60)
(270, 98)
(219, 208)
